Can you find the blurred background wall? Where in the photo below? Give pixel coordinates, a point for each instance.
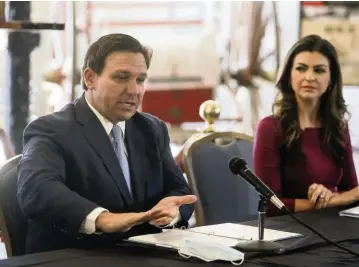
(226, 51)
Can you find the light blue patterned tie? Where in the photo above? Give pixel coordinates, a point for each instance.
(116, 133)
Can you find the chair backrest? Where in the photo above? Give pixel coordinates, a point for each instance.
(13, 223)
(222, 196)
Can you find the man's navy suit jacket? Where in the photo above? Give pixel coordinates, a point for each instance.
(69, 168)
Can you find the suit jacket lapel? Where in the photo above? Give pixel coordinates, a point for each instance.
(136, 146)
(99, 140)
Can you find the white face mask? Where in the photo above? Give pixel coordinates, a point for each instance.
(210, 252)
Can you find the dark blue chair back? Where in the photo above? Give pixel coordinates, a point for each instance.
(222, 196)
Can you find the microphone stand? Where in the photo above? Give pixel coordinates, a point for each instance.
(260, 245)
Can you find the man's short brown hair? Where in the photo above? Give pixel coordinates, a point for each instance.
(116, 42)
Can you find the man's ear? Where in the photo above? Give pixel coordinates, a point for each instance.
(89, 77)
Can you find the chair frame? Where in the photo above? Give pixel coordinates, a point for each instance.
(3, 226)
(192, 143)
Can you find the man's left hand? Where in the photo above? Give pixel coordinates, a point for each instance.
(168, 208)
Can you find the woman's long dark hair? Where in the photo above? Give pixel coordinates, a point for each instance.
(332, 109)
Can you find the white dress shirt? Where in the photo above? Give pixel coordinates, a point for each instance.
(88, 226)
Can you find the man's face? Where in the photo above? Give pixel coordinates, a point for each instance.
(118, 91)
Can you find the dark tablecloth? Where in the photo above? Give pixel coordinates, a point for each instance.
(308, 250)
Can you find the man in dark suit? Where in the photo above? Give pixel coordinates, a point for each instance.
(98, 171)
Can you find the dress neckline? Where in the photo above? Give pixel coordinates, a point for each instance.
(311, 129)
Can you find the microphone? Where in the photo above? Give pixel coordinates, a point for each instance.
(238, 166)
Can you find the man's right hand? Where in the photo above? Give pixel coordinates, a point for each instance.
(108, 222)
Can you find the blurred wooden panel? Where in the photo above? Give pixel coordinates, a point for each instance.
(343, 35)
(176, 106)
(337, 22)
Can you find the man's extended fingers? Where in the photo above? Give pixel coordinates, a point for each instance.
(162, 221)
(141, 217)
(161, 214)
(153, 214)
(183, 200)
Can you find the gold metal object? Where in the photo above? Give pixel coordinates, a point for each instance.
(209, 111)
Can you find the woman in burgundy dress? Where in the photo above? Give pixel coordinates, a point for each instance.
(303, 151)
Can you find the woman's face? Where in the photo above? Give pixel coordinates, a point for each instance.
(310, 76)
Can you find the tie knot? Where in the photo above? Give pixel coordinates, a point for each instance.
(116, 132)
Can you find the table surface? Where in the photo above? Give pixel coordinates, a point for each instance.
(309, 250)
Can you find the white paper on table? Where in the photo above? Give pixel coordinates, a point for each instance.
(227, 234)
(352, 212)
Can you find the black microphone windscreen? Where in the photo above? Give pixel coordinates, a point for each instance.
(236, 164)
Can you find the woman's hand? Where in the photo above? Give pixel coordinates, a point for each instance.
(319, 195)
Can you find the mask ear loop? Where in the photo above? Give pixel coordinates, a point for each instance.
(172, 227)
(178, 251)
(183, 255)
(238, 263)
